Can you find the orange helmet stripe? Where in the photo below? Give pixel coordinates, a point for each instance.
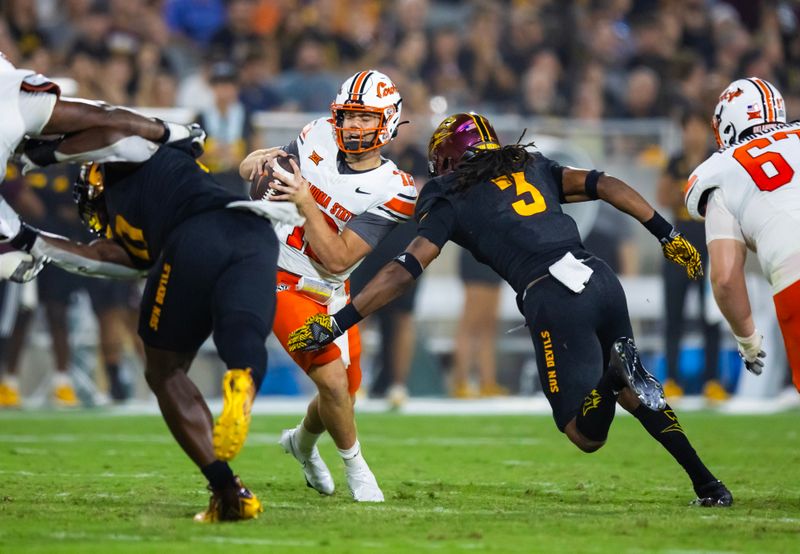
(357, 83)
(768, 99)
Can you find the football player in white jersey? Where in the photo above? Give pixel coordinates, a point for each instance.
(351, 197)
(32, 106)
(749, 194)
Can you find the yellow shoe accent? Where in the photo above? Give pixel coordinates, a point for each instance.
(235, 504)
(64, 396)
(230, 429)
(487, 391)
(9, 396)
(672, 389)
(463, 392)
(715, 392)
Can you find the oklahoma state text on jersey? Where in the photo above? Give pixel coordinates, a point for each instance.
(370, 203)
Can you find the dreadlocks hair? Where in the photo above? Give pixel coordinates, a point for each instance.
(479, 165)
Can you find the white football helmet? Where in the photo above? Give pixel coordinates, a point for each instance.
(745, 104)
(367, 91)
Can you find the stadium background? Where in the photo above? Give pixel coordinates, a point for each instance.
(595, 83)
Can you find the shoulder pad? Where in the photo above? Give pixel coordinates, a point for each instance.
(433, 190)
(696, 193)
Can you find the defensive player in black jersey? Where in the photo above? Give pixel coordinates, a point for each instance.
(32, 107)
(502, 203)
(210, 267)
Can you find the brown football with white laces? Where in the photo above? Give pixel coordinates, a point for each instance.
(261, 185)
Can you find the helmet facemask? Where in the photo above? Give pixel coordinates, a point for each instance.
(87, 192)
(366, 92)
(368, 138)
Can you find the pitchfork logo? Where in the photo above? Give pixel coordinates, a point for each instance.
(729, 95)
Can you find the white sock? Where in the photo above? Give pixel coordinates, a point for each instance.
(352, 456)
(305, 439)
(61, 379)
(11, 381)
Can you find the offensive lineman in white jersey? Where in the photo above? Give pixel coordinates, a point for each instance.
(351, 197)
(749, 194)
(32, 106)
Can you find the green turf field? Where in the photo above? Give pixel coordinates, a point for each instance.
(91, 482)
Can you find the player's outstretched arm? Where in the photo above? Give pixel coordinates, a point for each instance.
(580, 185)
(101, 258)
(389, 283)
(94, 131)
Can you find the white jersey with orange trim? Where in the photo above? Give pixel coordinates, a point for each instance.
(370, 203)
(19, 120)
(756, 199)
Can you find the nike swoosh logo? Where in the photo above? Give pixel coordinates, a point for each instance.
(359, 191)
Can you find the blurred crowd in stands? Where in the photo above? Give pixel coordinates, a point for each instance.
(587, 60)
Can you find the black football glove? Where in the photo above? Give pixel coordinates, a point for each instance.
(318, 331)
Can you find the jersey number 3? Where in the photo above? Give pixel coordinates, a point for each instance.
(769, 170)
(522, 206)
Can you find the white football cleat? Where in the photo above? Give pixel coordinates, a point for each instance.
(318, 476)
(397, 396)
(363, 485)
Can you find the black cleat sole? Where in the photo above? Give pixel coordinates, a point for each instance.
(625, 360)
(713, 495)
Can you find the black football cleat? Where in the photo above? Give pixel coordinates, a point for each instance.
(631, 373)
(232, 503)
(713, 495)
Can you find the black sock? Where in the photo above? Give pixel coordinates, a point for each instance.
(666, 429)
(597, 411)
(219, 474)
(112, 370)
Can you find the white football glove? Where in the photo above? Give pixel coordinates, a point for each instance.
(276, 212)
(751, 353)
(20, 267)
(9, 222)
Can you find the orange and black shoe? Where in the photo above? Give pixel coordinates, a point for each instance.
(232, 426)
(233, 503)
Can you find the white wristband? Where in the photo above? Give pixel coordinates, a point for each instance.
(750, 346)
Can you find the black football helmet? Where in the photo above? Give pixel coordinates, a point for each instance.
(87, 191)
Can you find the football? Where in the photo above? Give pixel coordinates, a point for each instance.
(260, 186)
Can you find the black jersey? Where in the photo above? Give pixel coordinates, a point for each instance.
(145, 202)
(514, 226)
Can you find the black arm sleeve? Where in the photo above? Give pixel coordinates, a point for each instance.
(557, 172)
(438, 224)
(291, 148)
